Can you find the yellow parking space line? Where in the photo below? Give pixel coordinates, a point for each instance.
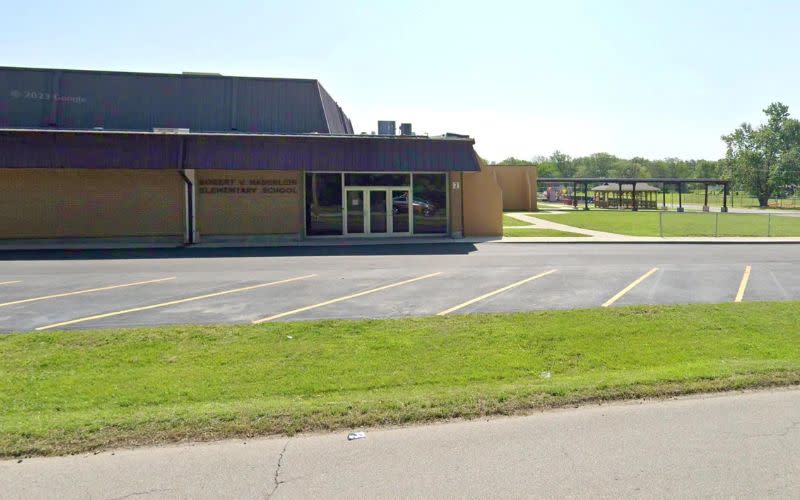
(9, 282)
(171, 302)
(743, 284)
(490, 294)
(346, 297)
(79, 292)
(629, 287)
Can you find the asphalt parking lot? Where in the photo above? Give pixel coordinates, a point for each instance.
(100, 289)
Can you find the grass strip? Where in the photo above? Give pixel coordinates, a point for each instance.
(75, 391)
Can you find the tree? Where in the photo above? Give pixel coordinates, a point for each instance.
(547, 169)
(563, 163)
(629, 169)
(515, 161)
(762, 160)
(596, 165)
(544, 167)
(704, 169)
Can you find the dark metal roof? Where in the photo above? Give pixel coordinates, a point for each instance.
(133, 150)
(337, 122)
(78, 99)
(627, 188)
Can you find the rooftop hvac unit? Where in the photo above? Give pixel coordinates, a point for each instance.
(405, 129)
(386, 127)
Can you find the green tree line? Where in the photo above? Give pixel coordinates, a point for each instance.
(763, 161)
(607, 165)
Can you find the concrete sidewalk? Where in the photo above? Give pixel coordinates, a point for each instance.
(590, 236)
(727, 445)
(348, 243)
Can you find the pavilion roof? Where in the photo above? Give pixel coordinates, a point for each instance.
(626, 188)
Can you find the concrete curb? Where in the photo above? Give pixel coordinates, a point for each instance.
(245, 243)
(655, 241)
(385, 242)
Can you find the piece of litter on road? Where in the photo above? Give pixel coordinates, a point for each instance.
(356, 435)
(545, 375)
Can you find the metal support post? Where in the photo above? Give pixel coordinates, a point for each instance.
(586, 196)
(724, 197)
(680, 198)
(575, 195)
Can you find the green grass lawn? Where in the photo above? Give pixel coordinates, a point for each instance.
(520, 232)
(630, 223)
(513, 221)
(646, 223)
(64, 392)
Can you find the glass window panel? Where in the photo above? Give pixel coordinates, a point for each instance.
(400, 211)
(377, 179)
(323, 204)
(355, 212)
(430, 204)
(377, 212)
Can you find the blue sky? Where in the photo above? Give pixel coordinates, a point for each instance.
(645, 78)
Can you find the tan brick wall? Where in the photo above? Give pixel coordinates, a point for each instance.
(455, 201)
(518, 184)
(248, 202)
(483, 204)
(90, 203)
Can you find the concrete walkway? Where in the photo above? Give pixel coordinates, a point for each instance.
(729, 445)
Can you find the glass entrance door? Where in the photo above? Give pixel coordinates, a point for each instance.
(378, 211)
(378, 215)
(354, 212)
(401, 211)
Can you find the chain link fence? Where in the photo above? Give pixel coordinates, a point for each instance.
(672, 224)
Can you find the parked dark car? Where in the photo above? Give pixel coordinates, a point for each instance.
(420, 206)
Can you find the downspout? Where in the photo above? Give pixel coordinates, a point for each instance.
(189, 193)
(189, 208)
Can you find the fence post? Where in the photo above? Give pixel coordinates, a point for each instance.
(716, 225)
(661, 224)
(769, 225)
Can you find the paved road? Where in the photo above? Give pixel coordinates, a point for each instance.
(741, 445)
(95, 289)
